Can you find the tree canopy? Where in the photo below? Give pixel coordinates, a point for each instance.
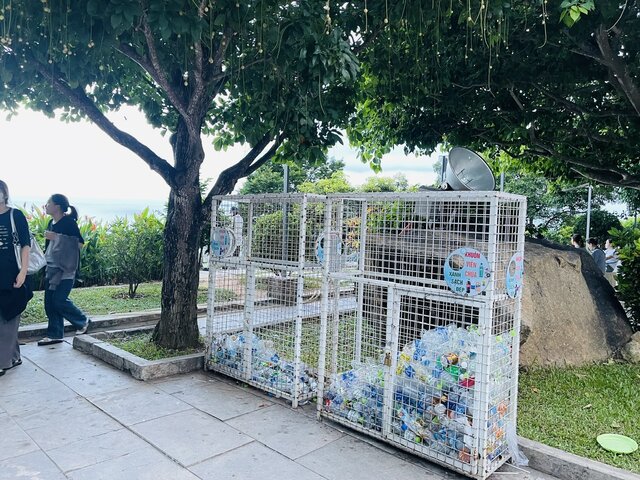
(277, 75)
(555, 84)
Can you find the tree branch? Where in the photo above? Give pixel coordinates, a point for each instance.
(228, 178)
(157, 71)
(79, 99)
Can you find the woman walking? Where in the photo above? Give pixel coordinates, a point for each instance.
(14, 293)
(62, 247)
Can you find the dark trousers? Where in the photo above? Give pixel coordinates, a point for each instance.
(58, 307)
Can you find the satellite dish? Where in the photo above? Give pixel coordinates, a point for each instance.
(466, 170)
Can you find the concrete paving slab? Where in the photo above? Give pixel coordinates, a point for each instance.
(14, 441)
(191, 436)
(181, 383)
(31, 466)
(286, 431)
(57, 429)
(253, 462)
(145, 464)
(354, 459)
(24, 402)
(26, 378)
(222, 400)
(98, 449)
(139, 403)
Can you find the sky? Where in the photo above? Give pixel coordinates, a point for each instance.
(40, 156)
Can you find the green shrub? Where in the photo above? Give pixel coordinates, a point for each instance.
(134, 250)
(628, 242)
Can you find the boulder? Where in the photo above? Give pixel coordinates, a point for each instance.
(631, 351)
(570, 313)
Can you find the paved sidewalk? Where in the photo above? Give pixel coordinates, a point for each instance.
(67, 415)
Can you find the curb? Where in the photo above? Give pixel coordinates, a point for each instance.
(568, 466)
(39, 330)
(139, 368)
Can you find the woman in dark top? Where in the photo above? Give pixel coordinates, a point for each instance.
(14, 293)
(62, 247)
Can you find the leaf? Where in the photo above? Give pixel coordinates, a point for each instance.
(615, 425)
(535, 390)
(587, 406)
(116, 21)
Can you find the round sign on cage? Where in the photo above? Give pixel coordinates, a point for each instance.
(336, 246)
(222, 242)
(466, 271)
(515, 273)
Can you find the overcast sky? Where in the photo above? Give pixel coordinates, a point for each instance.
(40, 156)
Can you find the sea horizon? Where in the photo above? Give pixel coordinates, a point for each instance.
(102, 209)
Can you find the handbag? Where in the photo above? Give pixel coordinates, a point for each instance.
(36, 256)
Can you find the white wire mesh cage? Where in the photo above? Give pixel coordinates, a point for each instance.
(428, 358)
(265, 291)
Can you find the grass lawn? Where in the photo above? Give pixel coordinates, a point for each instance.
(568, 408)
(105, 300)
(142, 346)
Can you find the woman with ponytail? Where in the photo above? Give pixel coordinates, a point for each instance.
(62, 246)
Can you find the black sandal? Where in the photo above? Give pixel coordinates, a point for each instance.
(15, 364)
(48, 341)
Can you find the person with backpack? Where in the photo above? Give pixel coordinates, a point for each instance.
(14, 289)
(62, 249)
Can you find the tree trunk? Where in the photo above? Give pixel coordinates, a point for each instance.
(178, 326)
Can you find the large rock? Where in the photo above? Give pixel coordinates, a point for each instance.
(631, 351)
(570, 314)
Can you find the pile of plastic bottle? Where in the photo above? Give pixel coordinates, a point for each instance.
(433, 392)
(267, 366)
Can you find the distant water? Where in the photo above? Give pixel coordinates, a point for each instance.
(104, 210)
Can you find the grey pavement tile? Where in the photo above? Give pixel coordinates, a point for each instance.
(139, 403)
(181, 382)
(253, 462)
(145, 464)
(354, 459)
(287, 431)
(31, 466)
(191, 436)
(57, 428)
(36, 409)
(222, 400)
(28, 377)
(13, 440)
(95, 380)
(97, 449)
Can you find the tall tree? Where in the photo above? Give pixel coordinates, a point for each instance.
(553, 83)
(273, 74)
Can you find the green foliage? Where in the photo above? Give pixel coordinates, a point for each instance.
(567, 408)
(397, 183)
(527, 85)
(601, 223)
(269, 240)
(336, 183)
(134, 250)
(270, 177)
(627, 241)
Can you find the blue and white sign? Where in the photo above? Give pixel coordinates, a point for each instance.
(515, 274)
(466, 271)
(222, 242)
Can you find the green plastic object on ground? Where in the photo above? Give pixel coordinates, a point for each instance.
(617, 443)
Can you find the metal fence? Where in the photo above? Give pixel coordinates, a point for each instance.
(400, 311)
(428, 360)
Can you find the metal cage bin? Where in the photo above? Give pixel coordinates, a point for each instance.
(428, 359)
(265, 285)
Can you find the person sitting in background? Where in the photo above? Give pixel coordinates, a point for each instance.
(597, 254)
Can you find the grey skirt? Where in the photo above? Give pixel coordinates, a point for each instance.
(9, 346)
